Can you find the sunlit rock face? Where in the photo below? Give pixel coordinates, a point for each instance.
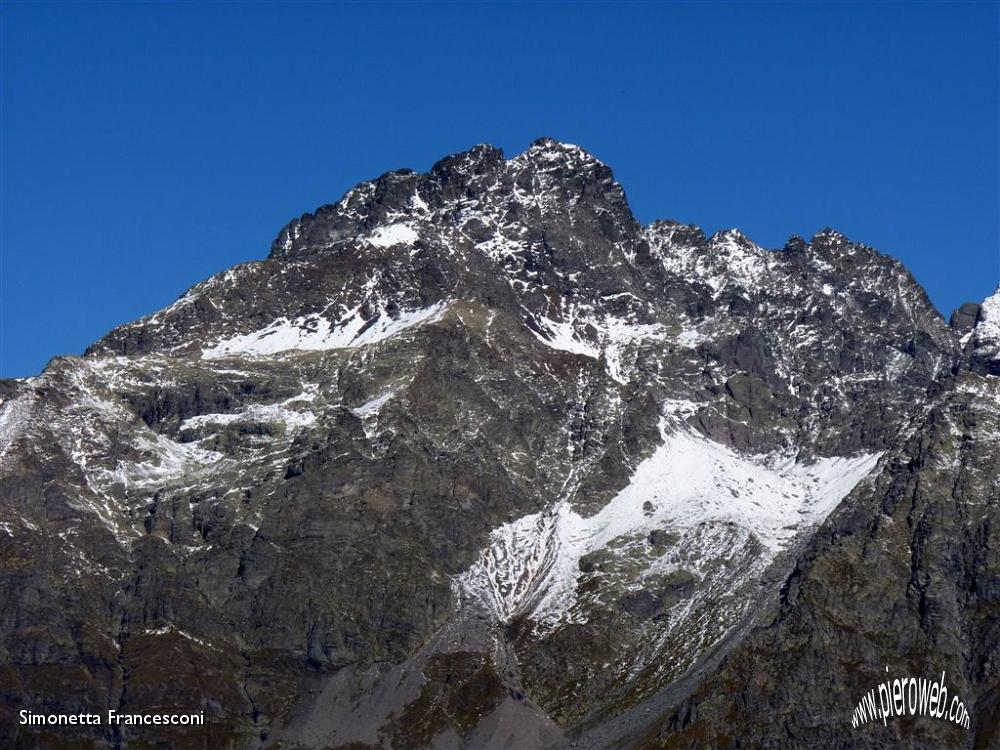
(474, 459)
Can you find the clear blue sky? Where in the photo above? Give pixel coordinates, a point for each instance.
(147, 146)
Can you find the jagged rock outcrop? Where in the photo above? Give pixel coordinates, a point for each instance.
(474, 459)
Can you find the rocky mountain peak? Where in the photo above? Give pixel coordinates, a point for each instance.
(480, 158)
(829, 238)
(472, 448)
(547, 144)
(732, 238)
(552, 151)
(668, 232)
(795, 244)
(478, 186)
(548, 236)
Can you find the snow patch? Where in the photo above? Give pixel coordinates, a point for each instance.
(394, 234)
(171, 462)
(593, 336)
(563, 336)
(280, 413)
(315, 333)
(374, 406)
(532, 563)
(689, 338)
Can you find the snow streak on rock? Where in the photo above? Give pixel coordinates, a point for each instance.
(314, 333)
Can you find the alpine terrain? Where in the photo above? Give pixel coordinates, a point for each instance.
(475, 460)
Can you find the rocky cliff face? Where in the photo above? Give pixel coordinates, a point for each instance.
(473, 459)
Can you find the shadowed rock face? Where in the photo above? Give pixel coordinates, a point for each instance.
(473, 459)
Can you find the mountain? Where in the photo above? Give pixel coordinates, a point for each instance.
(473, 459)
